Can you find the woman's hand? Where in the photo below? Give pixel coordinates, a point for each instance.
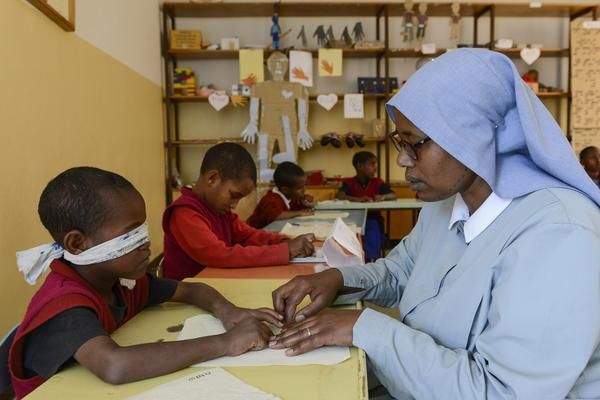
(329, 328)
(322, 289)
(236, 315)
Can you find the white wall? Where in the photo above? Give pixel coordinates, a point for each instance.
(128, 30)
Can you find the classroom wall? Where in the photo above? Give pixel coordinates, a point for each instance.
(66, 103)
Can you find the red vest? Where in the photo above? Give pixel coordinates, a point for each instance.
(356, 190)
(62, 290)
(177, 264)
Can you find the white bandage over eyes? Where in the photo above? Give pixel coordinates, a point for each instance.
(34, 262)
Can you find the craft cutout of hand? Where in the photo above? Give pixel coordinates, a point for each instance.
(250, 133)
(249, 80)
(327, 67)
(298, 73)
(305, 141)
(238, 101)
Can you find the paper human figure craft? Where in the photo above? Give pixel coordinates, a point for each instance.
(330, 62)
(251, 66)
(278, 118)
(301, 68)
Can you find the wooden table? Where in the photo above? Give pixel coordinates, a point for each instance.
(357, 217)
(346, 380)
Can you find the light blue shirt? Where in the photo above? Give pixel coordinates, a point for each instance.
(514, 314)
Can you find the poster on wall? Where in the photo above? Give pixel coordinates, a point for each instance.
(330, 62)
(301, 67)
(251, 66)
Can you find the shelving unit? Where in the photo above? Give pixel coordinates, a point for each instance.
(381, 12)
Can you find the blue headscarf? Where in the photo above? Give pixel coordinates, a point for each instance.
(474, 104)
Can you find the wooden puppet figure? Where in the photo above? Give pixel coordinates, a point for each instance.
(422, 21)
(278, 118)
(408, 33)
(455, 23)
(275, 31)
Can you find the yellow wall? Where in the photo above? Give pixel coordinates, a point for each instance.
(64, 103)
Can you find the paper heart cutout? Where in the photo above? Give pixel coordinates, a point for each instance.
(218, 101)
(287, 93)
(327, 101)
(529, 54)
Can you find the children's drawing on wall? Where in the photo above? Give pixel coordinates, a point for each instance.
(330, 62)
(301, 67)
(251, 66)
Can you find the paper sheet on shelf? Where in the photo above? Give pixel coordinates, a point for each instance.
(342, 248)
(207, 325)
(214, 384)
(321, 230)
(326, 215)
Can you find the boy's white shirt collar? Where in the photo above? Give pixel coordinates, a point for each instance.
(487, 212)
(285, 199)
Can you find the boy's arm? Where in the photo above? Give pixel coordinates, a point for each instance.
(342, 194)
(293, 214)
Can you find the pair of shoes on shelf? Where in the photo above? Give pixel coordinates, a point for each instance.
(352, 138)
(331, 138)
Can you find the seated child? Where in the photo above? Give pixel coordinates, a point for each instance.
(97, 219)
(590, 159)
(286, 200)
(366, 187)
(202, 230)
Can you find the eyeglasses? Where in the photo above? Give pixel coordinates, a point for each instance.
(410, 149)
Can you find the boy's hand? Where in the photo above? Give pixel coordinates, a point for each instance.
(379, 197)
(301, 246)
(236, 315)
(365, 199)
(305, 213)
(248, 334)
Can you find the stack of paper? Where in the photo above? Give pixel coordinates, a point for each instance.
(207, 325)
(321, 230)
(214, 384)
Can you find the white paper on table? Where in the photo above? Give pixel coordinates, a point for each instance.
(342, 248)
(207, 325)
(316, 258)
(326, 215)
(324, 202)
(320, 229)
(214, 384)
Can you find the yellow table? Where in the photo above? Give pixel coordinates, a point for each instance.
(346, 380)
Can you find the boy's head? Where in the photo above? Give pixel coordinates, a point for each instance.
(84, 206)
(227, 175)
(365, 164)
(590, 159)
(290, 179)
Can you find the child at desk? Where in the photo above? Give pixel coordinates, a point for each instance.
(366, 187)
(202, 230)
(97, 219)
(286, 200)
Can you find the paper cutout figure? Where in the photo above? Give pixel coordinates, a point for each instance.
(283, 118)
(251, 66)
(357, 32)
(346, 37)
(330, 37)
(327, 101)
(330, 62)
(530, 55)
(408, 33)
(320, 35)
(301, 67)
(354, 106)
(218, 101)
(455, 23)
(302, 37)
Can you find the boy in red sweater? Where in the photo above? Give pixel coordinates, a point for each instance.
(202, 230)
(286, 200)
(97, 219)
(366, 187)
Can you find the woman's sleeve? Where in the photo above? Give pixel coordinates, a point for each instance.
(543, 326)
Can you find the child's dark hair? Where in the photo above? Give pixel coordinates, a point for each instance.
(286, 174)
(231, 160)
(362, 157)
(585, 152)
(76, 199)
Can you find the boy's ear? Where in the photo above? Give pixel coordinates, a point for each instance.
(75, 242)
(212, 177)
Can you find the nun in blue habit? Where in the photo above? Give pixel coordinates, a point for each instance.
(498, 284)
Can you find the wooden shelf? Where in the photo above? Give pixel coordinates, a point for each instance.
(196, 142)
(412, 53)
(331, 9)
(553, 94)
(234, 54)
(312, 97)
(549, 52)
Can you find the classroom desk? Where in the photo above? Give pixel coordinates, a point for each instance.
(285, 272)
(356, 216)
(389, 205)
(346, 380)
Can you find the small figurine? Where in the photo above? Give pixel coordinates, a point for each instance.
(408, 33)
(357, 32)
(455, 22)
(302, 37)
(346, 37)
(321, 36)
(422, 21)
(531, 79)
(275, 31)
